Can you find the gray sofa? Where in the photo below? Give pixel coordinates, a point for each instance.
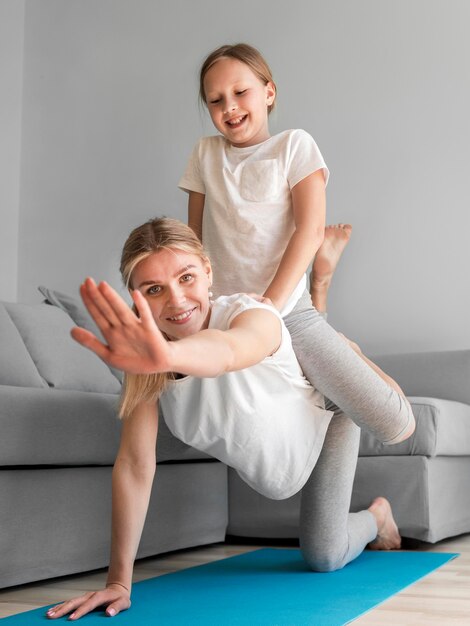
(60, 434)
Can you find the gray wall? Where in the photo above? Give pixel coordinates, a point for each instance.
(11, 78)
(110, 114)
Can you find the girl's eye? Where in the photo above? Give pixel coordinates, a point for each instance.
(214, 101)
(240, 93)
(154, 290)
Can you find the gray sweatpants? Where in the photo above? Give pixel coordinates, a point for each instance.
(330, 536)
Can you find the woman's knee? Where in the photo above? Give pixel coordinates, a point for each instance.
(323, 559)
(408, 418)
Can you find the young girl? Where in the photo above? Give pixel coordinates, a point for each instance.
(258, 204)
(233, 405)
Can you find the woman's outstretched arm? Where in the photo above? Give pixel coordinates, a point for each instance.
(136, 345)
(133, 475)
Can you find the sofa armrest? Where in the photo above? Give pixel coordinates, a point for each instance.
(443, 375)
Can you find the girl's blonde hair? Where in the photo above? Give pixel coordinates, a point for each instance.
(241, 52)
(161, 233)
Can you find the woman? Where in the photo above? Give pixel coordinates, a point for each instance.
(228, 383)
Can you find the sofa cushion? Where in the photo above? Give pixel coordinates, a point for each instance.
(61, 361)
(77, 311)
(70, 428)
(72, 306)
(442, 429)
(16, 365)
(57, 427)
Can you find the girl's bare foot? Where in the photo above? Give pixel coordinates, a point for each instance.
(325, 262)
(329, 253)
(388, 537)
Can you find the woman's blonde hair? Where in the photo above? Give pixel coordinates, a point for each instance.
(161, 233)
(241, 52)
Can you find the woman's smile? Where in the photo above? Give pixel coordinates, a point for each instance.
(182, 318)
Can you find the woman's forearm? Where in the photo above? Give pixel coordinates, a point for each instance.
(131, 495)
(253, 335)
(206, 354)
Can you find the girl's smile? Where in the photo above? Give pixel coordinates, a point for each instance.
(238, 102)
(235, 122)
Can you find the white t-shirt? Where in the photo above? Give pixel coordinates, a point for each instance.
(248, 218)
(266, 421)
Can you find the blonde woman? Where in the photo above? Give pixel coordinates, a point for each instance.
(229, 384)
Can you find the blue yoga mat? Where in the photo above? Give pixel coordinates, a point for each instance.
(268, 587)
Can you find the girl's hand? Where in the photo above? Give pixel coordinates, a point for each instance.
(114, 598)
(134, 344)
(260, 298)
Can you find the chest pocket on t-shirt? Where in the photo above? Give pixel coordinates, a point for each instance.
(259, 180)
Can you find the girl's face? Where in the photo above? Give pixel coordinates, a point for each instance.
(176, 286)
(238, 102)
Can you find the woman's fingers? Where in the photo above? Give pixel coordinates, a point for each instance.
(131, 343)
(59, 610)
(80, 606)
(118, 306)
(143, 308)
(97, 305)
(116, 607)
(106, 306)
(107, 597)
(94, 311)
(88, 340)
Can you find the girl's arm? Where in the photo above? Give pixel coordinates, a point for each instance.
(309, 207)
(136, 345)
(195, 212)
(133, 476)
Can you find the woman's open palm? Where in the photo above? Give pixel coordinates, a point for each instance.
(134, 344)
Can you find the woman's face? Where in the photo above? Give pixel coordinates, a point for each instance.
(176, 285)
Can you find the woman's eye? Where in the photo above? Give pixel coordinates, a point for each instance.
(240, 93)
(153, 291)
(186, 278)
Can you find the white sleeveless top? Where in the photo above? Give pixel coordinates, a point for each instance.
(266, 421)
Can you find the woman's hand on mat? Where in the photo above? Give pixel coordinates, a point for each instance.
(114, 598)
(134, 343)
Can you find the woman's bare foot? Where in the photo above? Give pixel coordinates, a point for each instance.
(325, 262)
(388, 537)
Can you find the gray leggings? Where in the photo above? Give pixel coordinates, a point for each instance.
(330, 536)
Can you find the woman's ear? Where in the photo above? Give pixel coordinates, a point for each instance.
(208, 270)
